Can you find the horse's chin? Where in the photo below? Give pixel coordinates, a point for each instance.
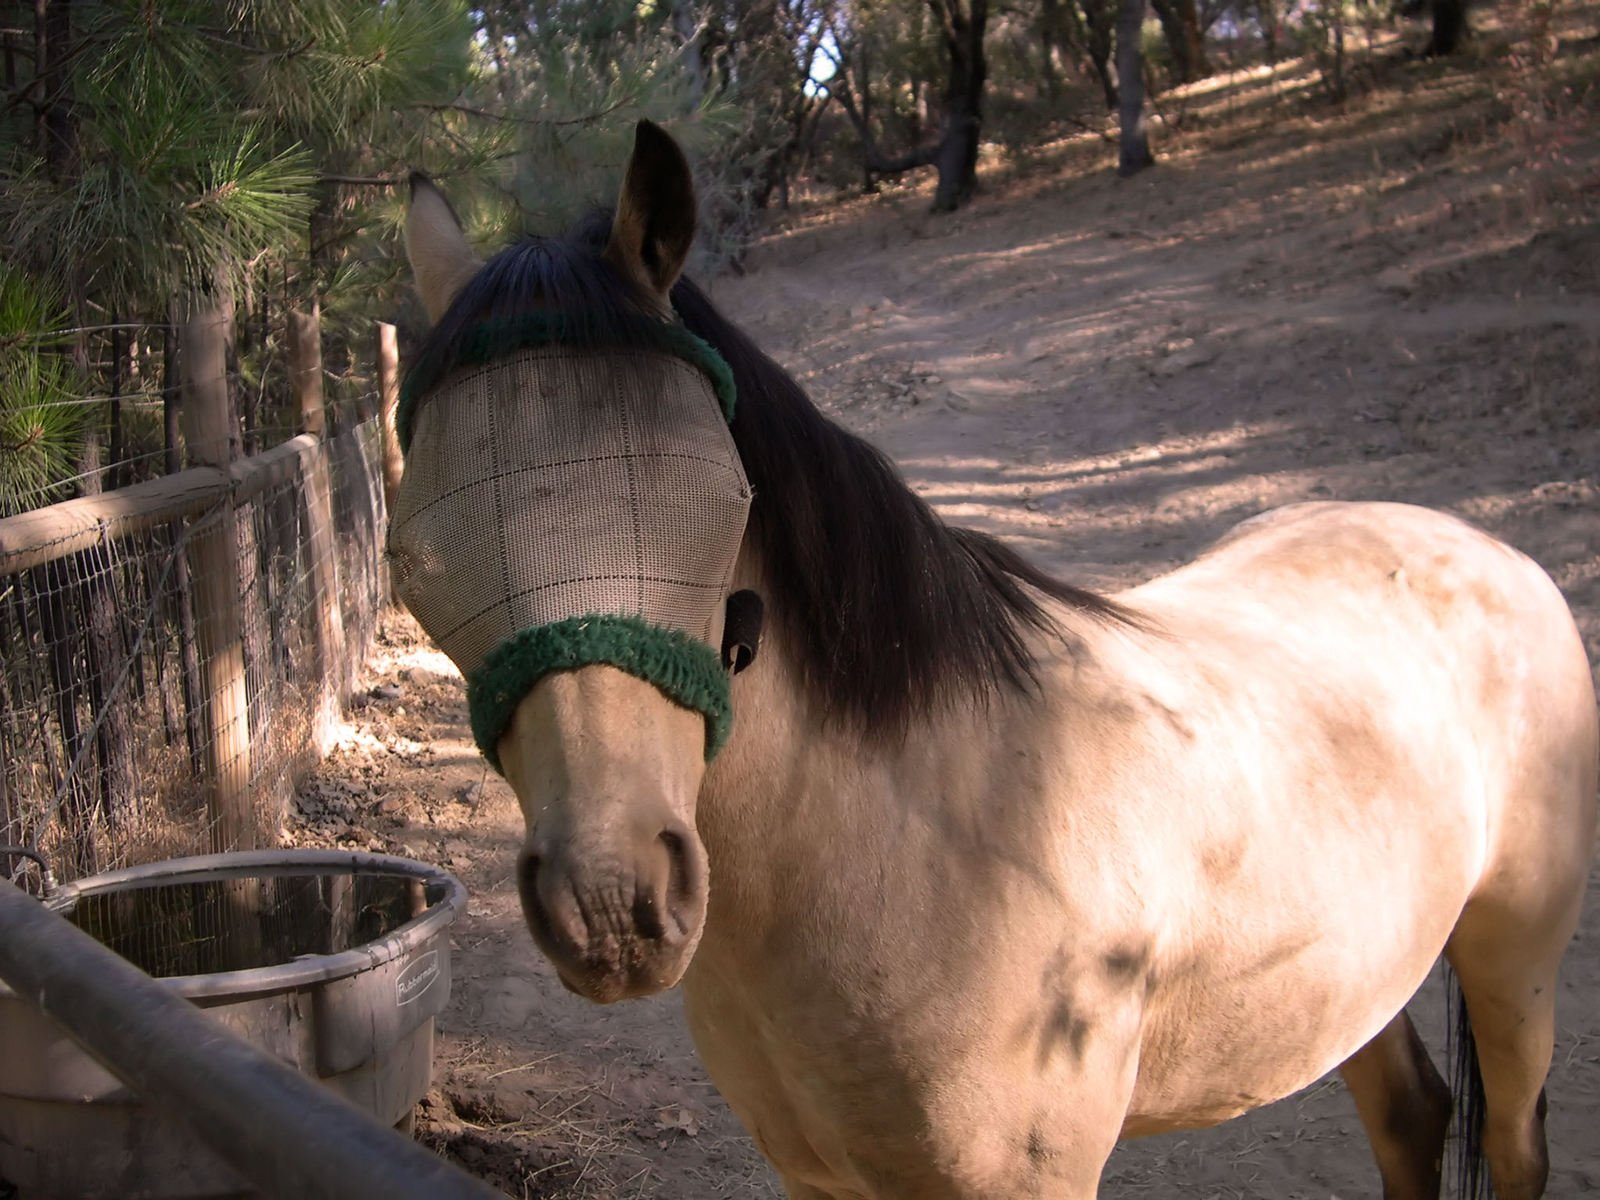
(615, 987)
(609, 984)
(607, 961)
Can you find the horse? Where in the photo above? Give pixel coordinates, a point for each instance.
(966, 872)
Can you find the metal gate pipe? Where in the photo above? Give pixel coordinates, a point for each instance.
(285, 1134)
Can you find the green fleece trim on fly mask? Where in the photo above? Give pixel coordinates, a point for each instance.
(492, 339)
(687, 671)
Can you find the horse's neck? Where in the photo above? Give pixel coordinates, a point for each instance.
(758, 786)
(807, 822)
(784, 779)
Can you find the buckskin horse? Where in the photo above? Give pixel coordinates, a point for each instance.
(969, 873)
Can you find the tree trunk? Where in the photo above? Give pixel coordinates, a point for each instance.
(1049, 39)
(182, 586)
(1449, 26)
(1337, 84)
(1267, 14)
(957, 158)
(873, 161)
(57, 126)
(956, 153)
(686, 24)
(1097, 19)
(775, 174)
(1180, 23)
(869, 185)
(1134, 147)
(119, 446)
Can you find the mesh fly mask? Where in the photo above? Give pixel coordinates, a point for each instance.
(565, 506)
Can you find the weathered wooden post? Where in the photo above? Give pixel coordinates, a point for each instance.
(305, 369)
(214, 555)
(389, 405)
(394, 463)
(305, 373)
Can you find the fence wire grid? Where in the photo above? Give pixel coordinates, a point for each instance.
(106, 724)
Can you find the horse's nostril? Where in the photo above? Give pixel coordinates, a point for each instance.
(528, 875)
(532, 903)
(647, 915)
(685, 893)
(677, 863)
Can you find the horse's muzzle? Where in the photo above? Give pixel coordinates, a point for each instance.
(617, 922)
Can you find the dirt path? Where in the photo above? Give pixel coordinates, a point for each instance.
(1109, 374)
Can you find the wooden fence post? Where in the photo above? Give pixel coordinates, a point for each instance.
(305, 369)
(305, 372)
(389, 400)
(394, 463)
(214, 552)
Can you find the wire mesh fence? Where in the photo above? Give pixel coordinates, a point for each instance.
(118, 712)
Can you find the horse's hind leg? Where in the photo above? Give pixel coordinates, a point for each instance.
(1405, 1108)
(1506, 950)
(1510, 996)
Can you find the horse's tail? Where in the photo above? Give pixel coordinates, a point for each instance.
(1466, 1082)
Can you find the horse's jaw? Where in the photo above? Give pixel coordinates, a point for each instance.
(613, 875)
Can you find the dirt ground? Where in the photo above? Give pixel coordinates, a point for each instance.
(1378, 303)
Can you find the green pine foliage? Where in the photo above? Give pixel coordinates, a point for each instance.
(216, 145)
(176, 185)
(40, 418)
(587, 100)
(570, 98)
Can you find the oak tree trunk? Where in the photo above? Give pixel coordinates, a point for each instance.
(1134, 146)
(1180, 23)
(1097, 19)
(1049, 39)
(1449, 26)
(957, 157)
(1267, 14)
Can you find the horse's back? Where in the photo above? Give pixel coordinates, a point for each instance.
(1338, 551)
(1396, 721)
(1392, 591)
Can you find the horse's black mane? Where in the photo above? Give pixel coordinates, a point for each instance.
(890, 612)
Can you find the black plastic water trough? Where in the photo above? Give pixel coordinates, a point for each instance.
(311, 965)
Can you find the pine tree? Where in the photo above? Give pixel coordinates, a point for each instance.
(39, 418)
(570, 82)
(193, 148)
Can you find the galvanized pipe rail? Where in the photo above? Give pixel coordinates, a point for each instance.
(284, 1133)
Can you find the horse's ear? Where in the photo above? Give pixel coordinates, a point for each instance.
(654, 225)
(441, 259)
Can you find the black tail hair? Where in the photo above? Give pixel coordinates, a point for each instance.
(1466, 1082)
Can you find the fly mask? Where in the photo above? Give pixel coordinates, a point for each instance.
(564, 506)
